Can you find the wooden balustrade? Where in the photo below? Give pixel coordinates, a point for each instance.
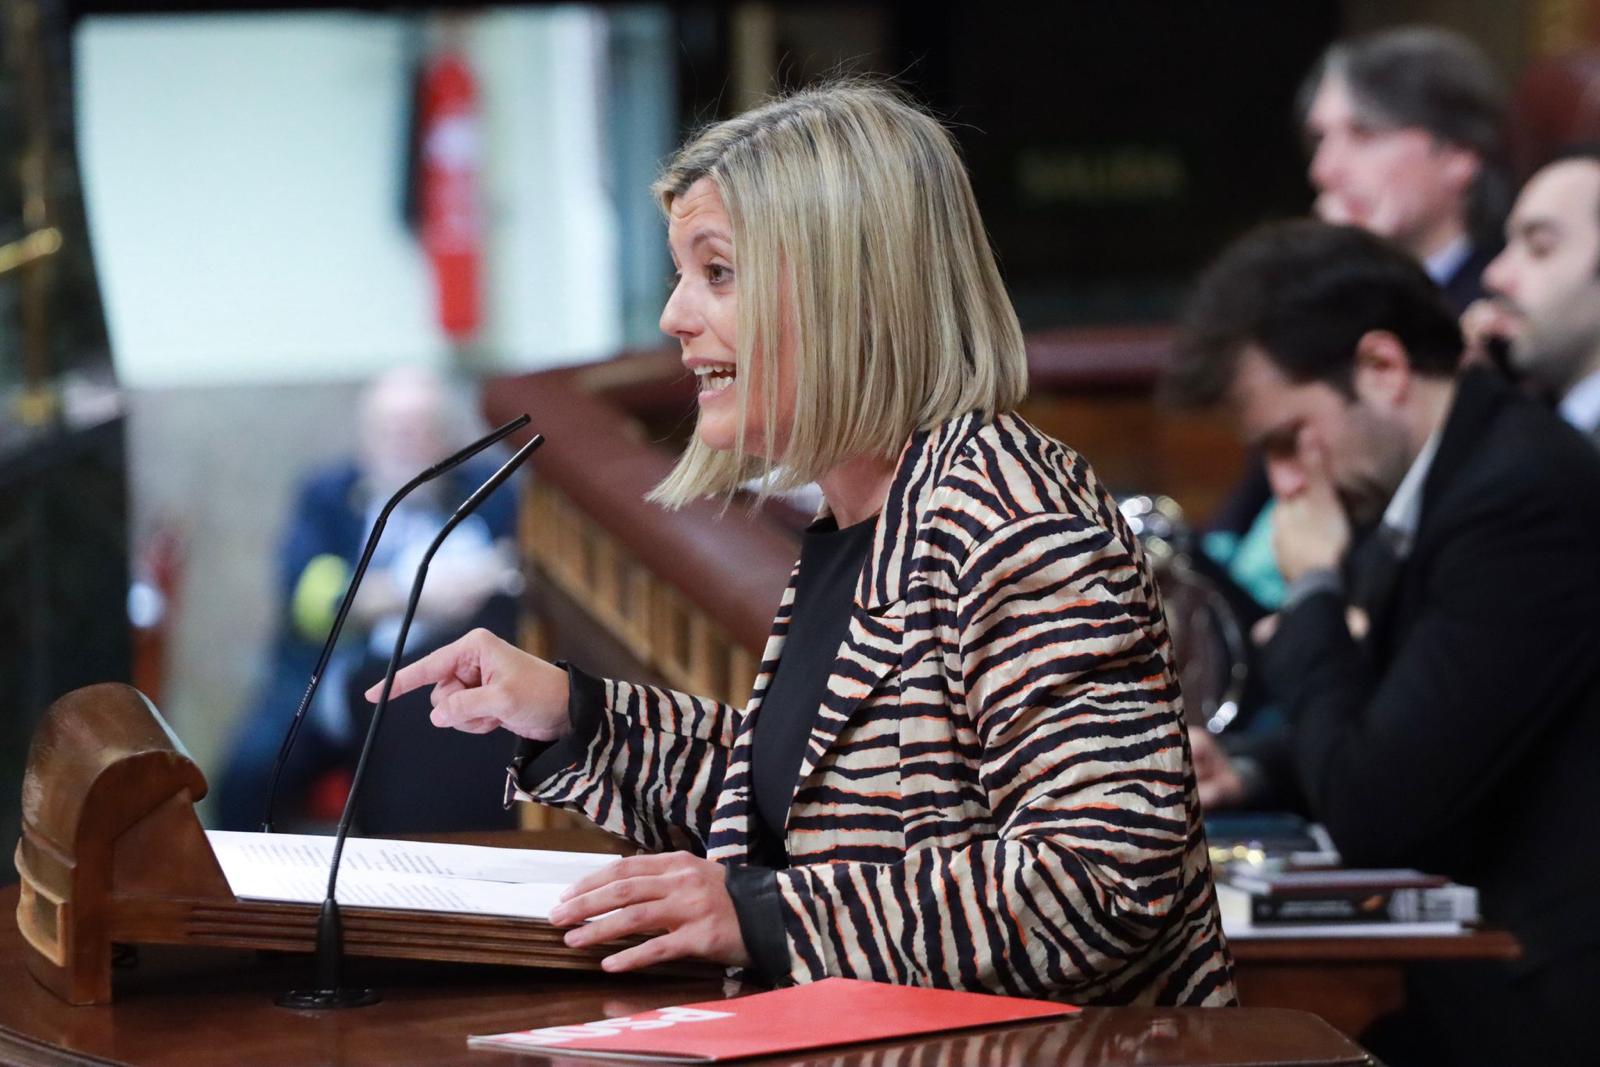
(640, 609)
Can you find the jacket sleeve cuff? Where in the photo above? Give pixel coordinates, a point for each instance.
(586, 704)
(755, 901)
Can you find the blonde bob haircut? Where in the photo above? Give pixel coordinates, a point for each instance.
(850, 206)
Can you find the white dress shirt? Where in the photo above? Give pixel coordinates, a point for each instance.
(1581, 406)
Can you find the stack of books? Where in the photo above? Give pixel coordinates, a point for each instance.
(1343, 902)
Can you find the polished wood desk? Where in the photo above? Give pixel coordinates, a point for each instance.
(180, 1006)
(1349, 981)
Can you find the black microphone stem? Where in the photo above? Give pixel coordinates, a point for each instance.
(330, 934)
(467, 508)
(428, 475)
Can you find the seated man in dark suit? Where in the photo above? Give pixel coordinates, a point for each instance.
(1437, 655)
(1404, 130)
(1544, 289)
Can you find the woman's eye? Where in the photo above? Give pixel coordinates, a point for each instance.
(718, 274)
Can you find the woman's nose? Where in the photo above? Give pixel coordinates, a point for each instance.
(677, 317)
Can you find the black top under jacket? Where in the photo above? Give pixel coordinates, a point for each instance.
(830, 565)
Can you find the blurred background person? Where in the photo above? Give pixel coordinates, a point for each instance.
(1544, 289)
(1438, 675)
(1406, 130)
(1406, 134)
(407, 421)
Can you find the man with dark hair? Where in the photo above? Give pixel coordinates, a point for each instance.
(1440, 678)
(1544, 288)
(1405, 130)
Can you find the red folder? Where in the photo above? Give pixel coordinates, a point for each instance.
(834, 1011)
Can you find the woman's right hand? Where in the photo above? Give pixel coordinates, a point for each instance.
(481, 683)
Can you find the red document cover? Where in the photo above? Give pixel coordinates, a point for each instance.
(834, 1011)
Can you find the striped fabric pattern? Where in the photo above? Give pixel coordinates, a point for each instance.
(997, 794)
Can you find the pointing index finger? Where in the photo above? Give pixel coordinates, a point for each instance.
(453, 661)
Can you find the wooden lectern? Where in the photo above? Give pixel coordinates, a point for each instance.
(112, 852)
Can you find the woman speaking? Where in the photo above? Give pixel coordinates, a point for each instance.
(964, 761)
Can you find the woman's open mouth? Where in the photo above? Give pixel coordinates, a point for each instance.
(716, 377)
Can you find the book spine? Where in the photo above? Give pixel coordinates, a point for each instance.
(1452, 903)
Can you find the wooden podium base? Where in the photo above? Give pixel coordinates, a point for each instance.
(113, 853)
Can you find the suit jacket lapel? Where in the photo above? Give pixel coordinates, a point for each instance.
(730, 826)
(1480, 392)
(877, 620)
(1374, 577)
(871, 648)
(770, 654)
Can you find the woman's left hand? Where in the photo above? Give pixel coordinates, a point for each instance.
(677, 895)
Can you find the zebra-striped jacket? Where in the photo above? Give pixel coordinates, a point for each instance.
(997, 793)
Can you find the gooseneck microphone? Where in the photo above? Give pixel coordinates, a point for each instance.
(330, 991)
(428, 475)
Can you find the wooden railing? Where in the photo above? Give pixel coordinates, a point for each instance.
(1093, 389)
(643, 611)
